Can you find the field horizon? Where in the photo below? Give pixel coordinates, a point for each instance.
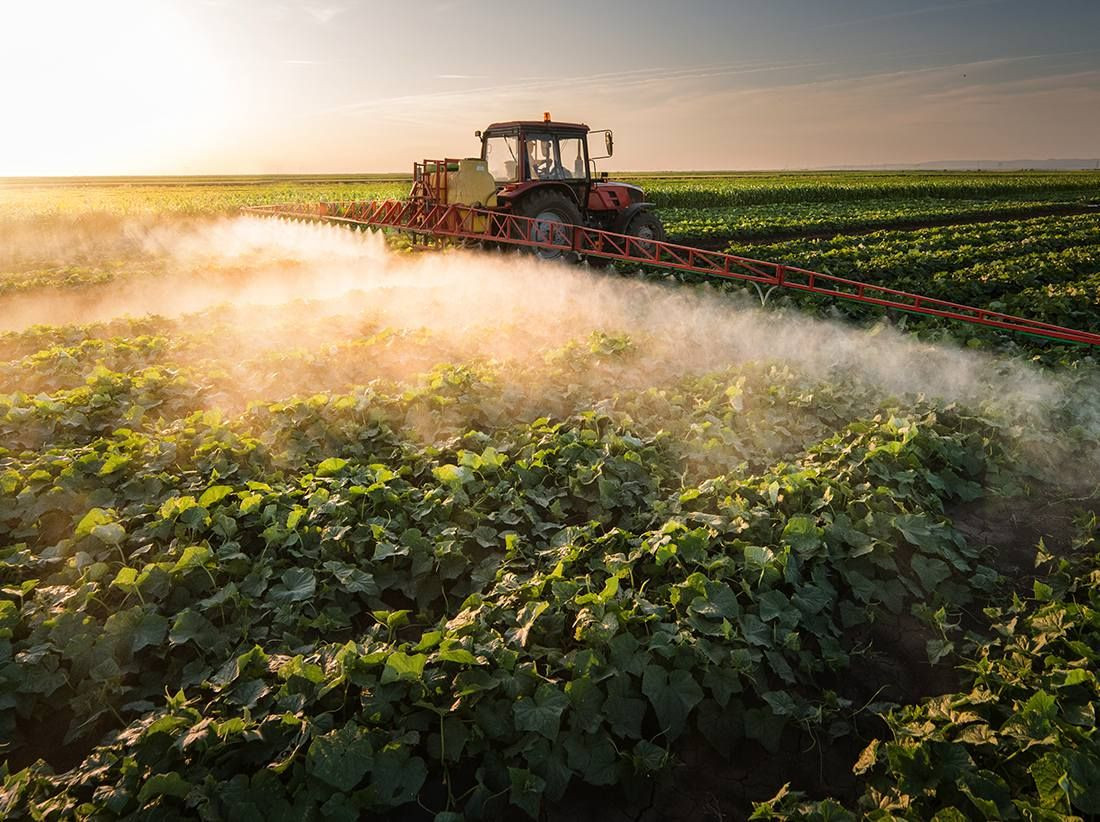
(392, 176)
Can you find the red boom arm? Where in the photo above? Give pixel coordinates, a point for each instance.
(420, 217)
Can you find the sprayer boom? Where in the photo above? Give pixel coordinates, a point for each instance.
(460, 222)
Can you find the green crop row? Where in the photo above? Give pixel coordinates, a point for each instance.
(685, 225)
(1009, 236)
(211, 197)
(1044, 269)
(837, 187)
(17, 202)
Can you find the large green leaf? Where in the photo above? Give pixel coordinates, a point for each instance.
(331, 467)
(296, 585)
(673, 694)
(525, 620)
(191, 626)
(404, 667)
(773, 605)
(164, 784)
(541, 713)
(804, 535)
(930, 571)
(526, 791)
(396, 777)
(1083, 780)
(214, 494)
(193, 556)
(95, 518)
(150, 631)
(341, 758)
(593, 758)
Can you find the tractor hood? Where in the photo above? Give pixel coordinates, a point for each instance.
(636, 193)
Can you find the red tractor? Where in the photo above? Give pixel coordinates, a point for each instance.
(541, 169)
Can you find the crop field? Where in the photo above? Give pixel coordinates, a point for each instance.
(302, 523)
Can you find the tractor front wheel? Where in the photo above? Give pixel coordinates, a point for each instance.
(645, 225)
(555, 215)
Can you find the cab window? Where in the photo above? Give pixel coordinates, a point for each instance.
(550, 157)
(571, 154)
(502, 158)
(541, 156)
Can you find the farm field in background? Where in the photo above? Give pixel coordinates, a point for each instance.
(297, 523)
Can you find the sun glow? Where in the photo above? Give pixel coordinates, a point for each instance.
(102, 87)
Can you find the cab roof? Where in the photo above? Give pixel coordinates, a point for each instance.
(552, 125)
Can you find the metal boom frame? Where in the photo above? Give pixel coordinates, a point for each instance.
(422, 217)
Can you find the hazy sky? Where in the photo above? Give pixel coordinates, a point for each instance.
(217, 86)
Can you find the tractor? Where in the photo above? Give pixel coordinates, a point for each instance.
(540, 169)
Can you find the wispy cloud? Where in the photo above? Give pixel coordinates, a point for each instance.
(605, 82)
(325, 14)
(874, 18)
(460, 76)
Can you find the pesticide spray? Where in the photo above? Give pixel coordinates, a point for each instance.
(307, 287)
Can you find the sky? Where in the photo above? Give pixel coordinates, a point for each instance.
(336, 86)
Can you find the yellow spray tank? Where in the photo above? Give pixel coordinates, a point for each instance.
(471, 184)
(457, 182)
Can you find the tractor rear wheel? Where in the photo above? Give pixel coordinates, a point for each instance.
(645, 225)
(556, 214)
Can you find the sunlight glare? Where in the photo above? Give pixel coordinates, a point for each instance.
(95, 87)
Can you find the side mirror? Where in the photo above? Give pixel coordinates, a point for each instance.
(608, 143)
(478, 134)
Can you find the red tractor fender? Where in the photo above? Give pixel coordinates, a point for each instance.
(508, 196)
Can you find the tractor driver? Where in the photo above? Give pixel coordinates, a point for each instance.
(540, 159)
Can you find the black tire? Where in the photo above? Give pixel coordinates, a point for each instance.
(646, 225)
(551, 206)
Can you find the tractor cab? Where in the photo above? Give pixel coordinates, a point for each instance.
(545, 166)
(524, 151)
(521, 153)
